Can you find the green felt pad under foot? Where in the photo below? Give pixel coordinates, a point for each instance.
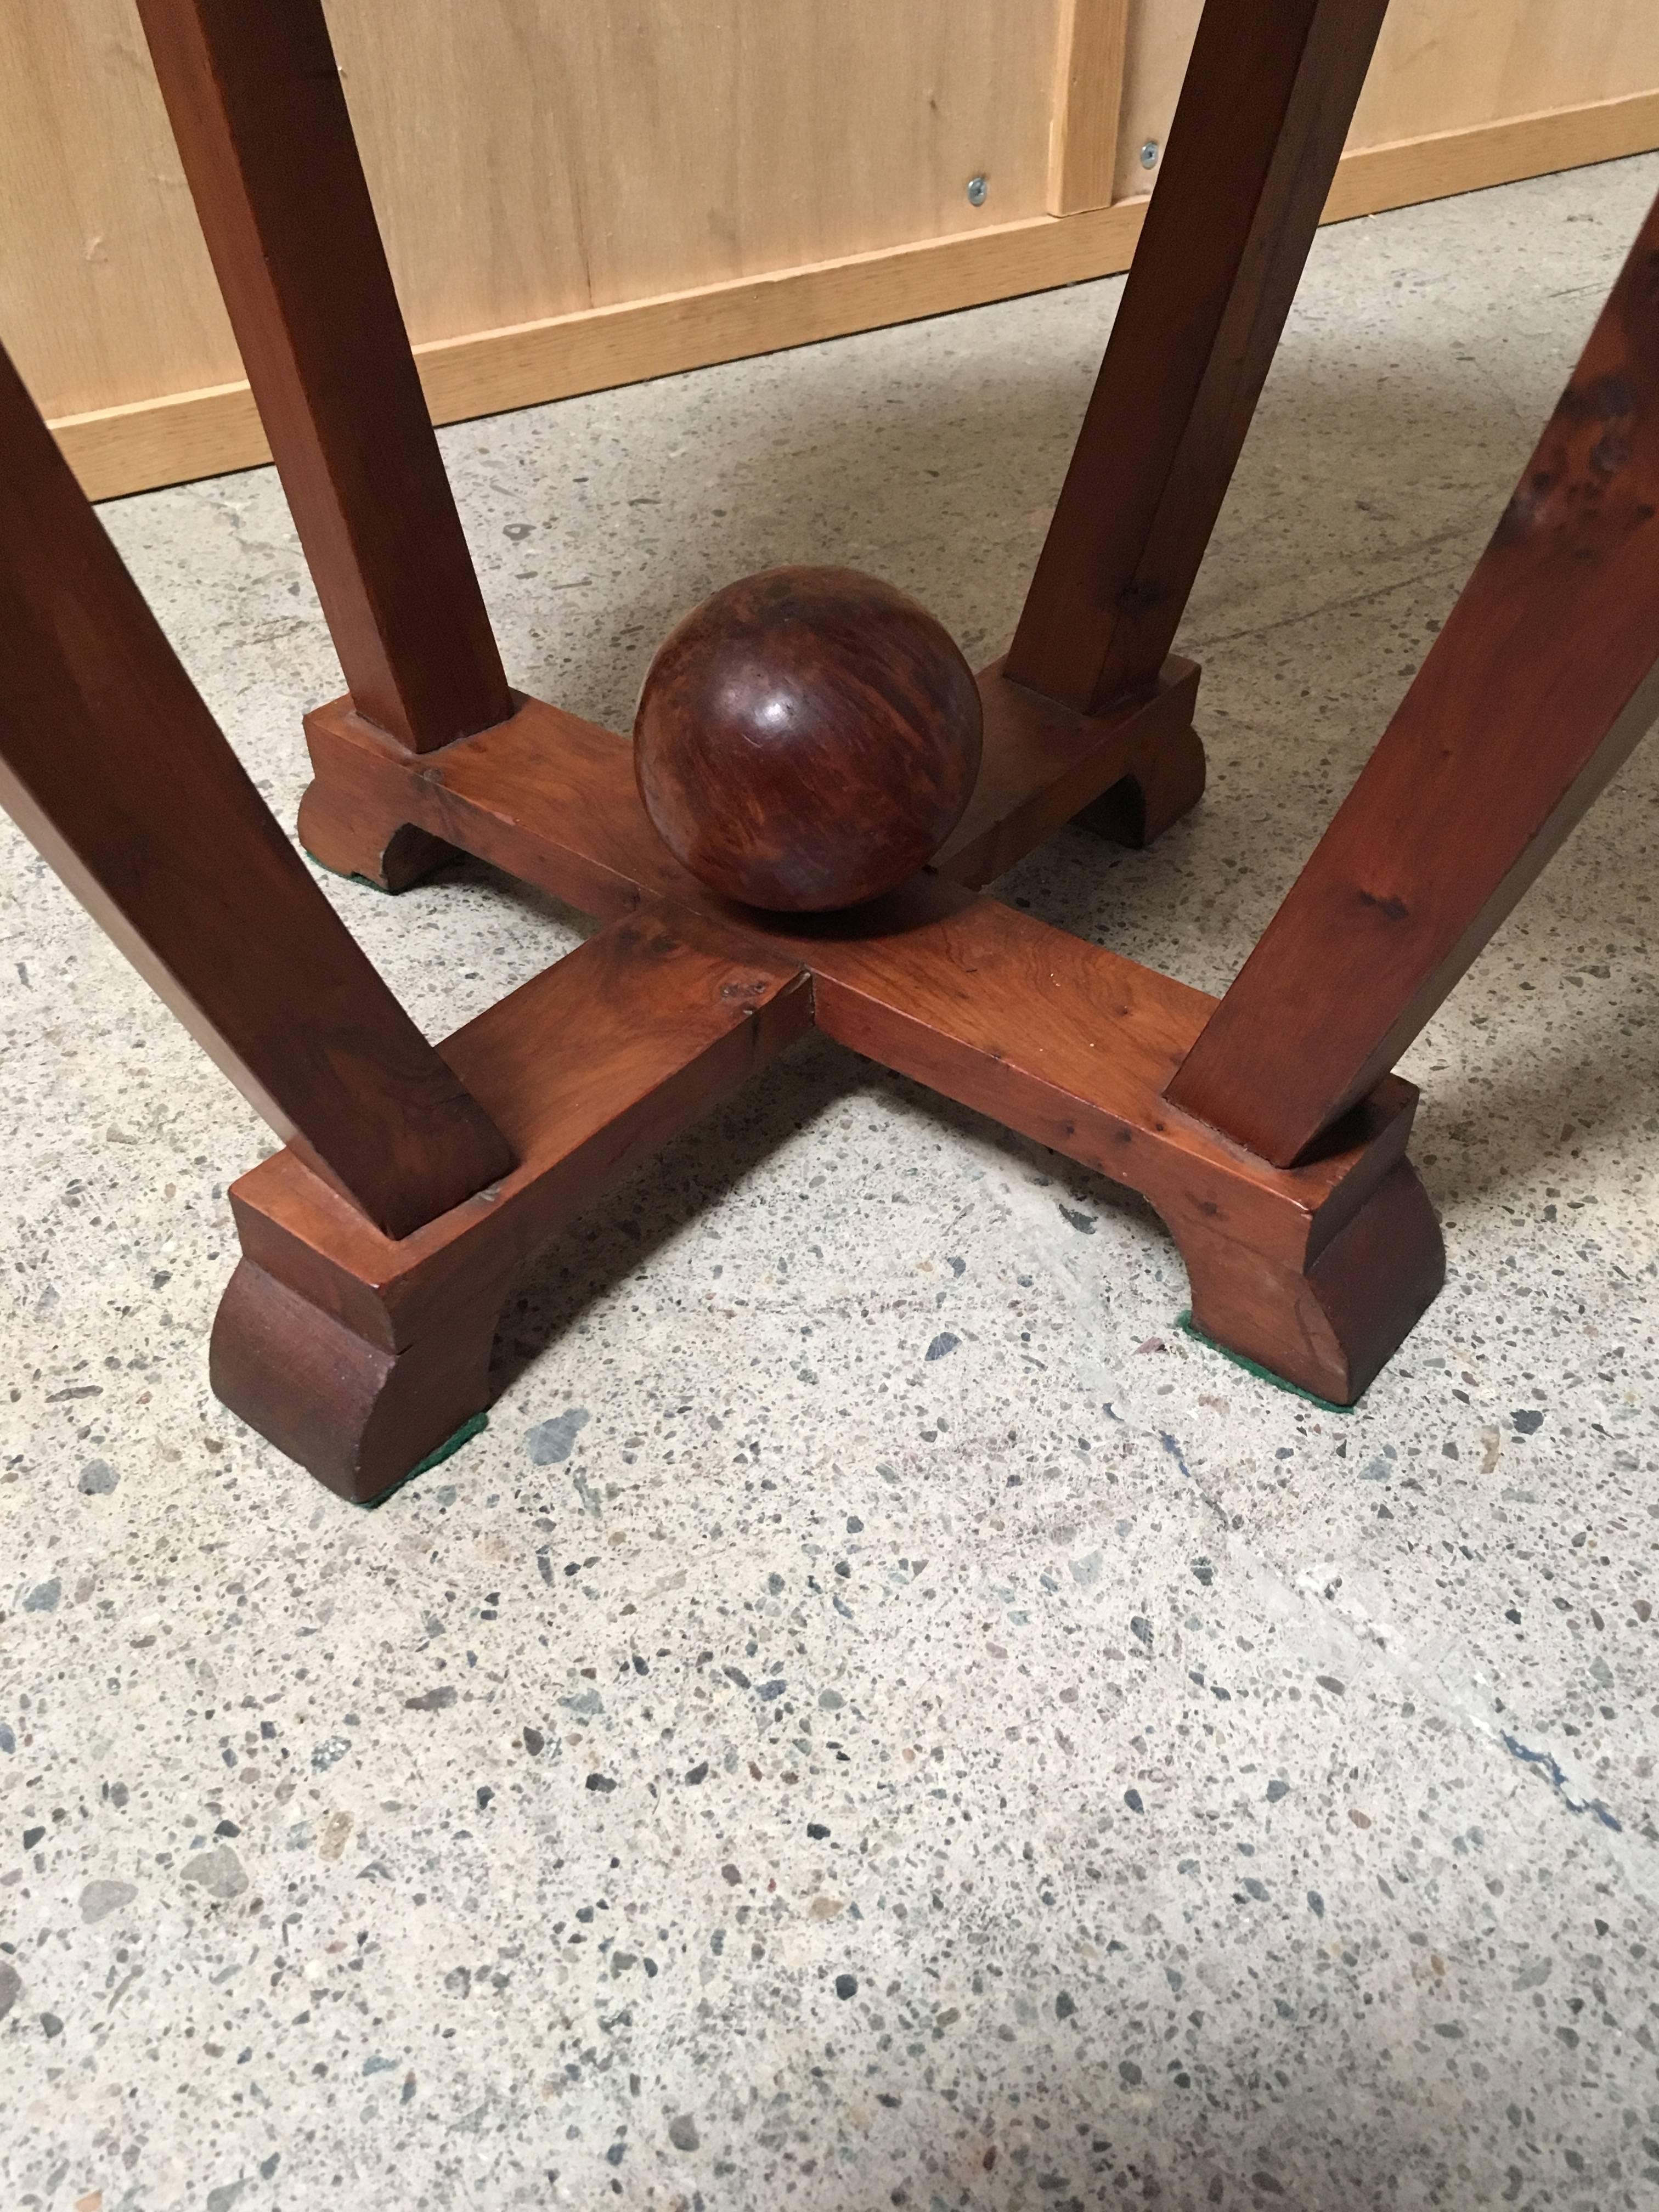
(349, 876)
(473, 1426)
(1189, 1327)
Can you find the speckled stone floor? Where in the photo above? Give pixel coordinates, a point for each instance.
(880, 1718)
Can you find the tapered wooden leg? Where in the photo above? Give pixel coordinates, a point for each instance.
(112, 766)
(1544, 677)
(259, 117)
(1265, 107)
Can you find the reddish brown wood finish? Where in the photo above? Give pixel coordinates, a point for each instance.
(547, 791)
(357, 1355)
(807, 738)
(1263, 112)
(1544, 677)
(112, 766)
(1317, 1272)
(254, 98)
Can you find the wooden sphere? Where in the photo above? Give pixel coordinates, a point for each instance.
(807, 738)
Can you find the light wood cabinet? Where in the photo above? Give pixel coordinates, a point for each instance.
(581, 192)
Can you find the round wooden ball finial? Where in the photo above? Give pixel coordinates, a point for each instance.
(807, 738)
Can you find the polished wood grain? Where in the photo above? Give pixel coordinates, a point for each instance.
(808, 742)
(1542, 679)
(113, 767)
(1250, 158)
(545, 795)
(260, 120)
(807, 738)
(358, 1355)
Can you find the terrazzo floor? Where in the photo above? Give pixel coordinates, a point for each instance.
(880, 1718)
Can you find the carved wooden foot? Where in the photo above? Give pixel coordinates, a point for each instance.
(1128, 771)
(343, 830)
(1165, 783)
(359, 1354)
(1333, 1323)
(357, 1414)
(1315, 1272)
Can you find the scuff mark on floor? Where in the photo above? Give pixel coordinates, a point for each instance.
(1336, 1611)
(1546, 1765)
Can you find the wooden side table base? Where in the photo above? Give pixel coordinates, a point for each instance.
(359, 1356)
(1128, 774)
(1269, 1137)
